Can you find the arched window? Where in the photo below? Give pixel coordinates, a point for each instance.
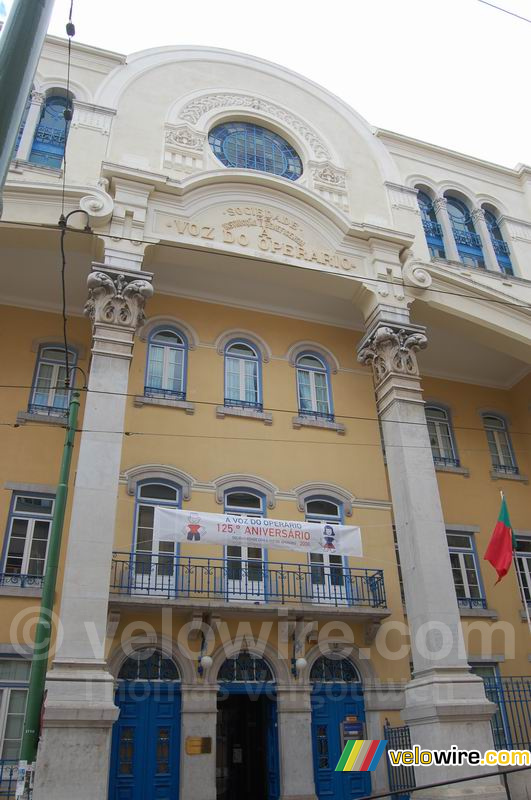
(313, 387)
(432, 229)
(501, 451)
(247, 146)
(148, 664)
(243, 382)
(245, 564)
(245, 668)
(501, 248)
(166, 364)
(328, 571)
(154, 572)
(49, 396)
(467, 240)
(49, 142)
(334, 669)
(441, 436)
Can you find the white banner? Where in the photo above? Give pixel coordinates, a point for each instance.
(172, 525)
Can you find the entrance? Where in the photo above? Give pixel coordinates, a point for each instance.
(337, 695)
(146, 736)
(247, 741)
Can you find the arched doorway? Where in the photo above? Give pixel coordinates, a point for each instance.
(247, 762)
(146, 736)
(337, 698)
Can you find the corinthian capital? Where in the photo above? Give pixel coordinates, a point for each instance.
(117, 299)
(478, 215)
(392, 350)
(439, 204)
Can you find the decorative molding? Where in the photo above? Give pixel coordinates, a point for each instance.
(478, 215)
(117, 299)
(97, 118)
(403, 197)
(184, 137)
(45, 419)
(300, 347)
(144, 400)
(252, 413)
(415, 273)
(172, 322)
(158, 471)
(313, 488)
(240, 333)
(392, 350)
(301, 421)
(235, 480)
(53, 341)
(330, 182)
(199, 106)
(38, 488)
(99, 206)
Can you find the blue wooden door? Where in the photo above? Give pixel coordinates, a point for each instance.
(146, 742)
(330, 705)
(273, 783)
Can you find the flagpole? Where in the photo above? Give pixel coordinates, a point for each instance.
(520, 584)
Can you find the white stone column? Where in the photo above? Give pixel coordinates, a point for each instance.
(440, 206)
(30, 126)
(198, 718)
(445, 704)
(295, 743)
(489, 254)
(73, 757)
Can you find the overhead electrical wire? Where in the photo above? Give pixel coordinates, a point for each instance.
(505, 11)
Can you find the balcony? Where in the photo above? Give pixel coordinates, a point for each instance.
(444, 461)
(47, 411)
(432, 229)
(165, 394)
(229, 402)
(8, 778)
(471, 602)
(196, 581)
(21, 581)
(467, 238)
(303, 412)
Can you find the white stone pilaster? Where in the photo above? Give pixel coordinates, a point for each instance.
(489, 254)
(444, 703)
(198, 718)
(79, 708)
(440, 206)
(295, 743)
(32, 120)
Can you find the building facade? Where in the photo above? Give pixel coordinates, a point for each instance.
(278, 311)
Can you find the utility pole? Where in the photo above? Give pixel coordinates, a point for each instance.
(43, 633)
(21, 43)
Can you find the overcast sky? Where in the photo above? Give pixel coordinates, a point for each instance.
(452, 72)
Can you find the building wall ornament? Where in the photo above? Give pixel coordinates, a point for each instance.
(415, 274)
(154, 472)
(327, 173)
(403, 197)
(170, 322)
(199, 106)
(99, 205)
(97, 118)
(240, 481)
(390, 350)
(117, 299)
(184, 136)
(335, 493)
(478, 215)
(440, 204)
(300, 347)
(240, 333)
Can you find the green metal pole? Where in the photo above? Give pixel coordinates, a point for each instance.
(21, 43)
(39, 664)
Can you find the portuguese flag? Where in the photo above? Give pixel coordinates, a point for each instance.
(501, 545)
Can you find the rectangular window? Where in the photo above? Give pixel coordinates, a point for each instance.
(465, 570)
(28, 533)
(523, 565)
(14, 677)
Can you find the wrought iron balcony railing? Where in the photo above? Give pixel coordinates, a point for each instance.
(303, 412)
(501, 248)
(228, 401)
(166, 394)
(467, 238)
(432, 228)
(17, 579)
(507, 469)
(472, 602)
(8, 778)
(47, 411)
(443, 461)
(226, 579)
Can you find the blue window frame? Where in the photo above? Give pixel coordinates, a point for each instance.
(328, 571)
(432, 229)
(245, 565)
(313, 387)
(26, 540)
(49, 395)
(247, 146)
(441, 436)
(465, 570)
(334, 669)
(245, 668)
(467, 240)
(149, 495)
(501, 248)
(147, 664)
(166, 364)
(52, 131)
(500, 447)
(523, 565)
(243, 375)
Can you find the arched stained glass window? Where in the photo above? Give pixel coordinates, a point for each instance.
(467, 240)
(247, 146)
(334, 669)
(432, 229)
(149, 665)
(245, 668)
(501, 248)
(51, 134)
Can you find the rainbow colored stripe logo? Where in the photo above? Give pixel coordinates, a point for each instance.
(361, 755)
